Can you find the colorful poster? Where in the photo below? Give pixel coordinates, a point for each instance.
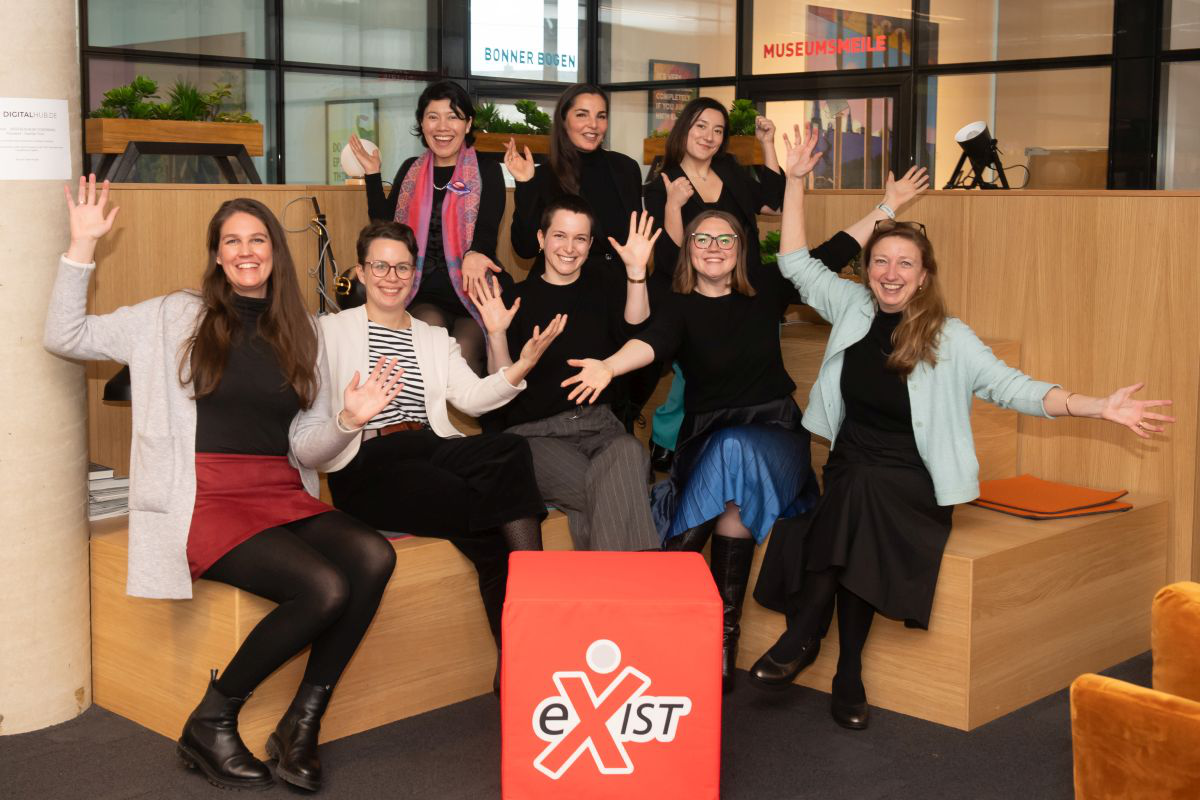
(342, 118)
(666, 103)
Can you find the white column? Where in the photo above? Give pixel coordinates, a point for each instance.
(45, 648)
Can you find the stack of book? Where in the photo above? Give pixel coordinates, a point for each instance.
(108, 495)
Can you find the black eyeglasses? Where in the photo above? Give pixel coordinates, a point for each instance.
(885, 225)
(380, 269)
(725, 241)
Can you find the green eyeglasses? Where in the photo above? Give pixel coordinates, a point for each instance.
(704, 241)
(380, 269)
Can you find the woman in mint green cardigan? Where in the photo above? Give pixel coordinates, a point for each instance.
(893, 397)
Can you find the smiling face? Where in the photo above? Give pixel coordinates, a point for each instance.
(245, 254)
(444, 130)
(713, 265)
(387, 295)
(587, 121)
(706, 134)
(566, 242)
(895, 272)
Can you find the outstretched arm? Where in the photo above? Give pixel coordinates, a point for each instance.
(594, 375)
(896, 195)
(635, 254)
(1118, 407)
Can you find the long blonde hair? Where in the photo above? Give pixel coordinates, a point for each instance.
(916, 337)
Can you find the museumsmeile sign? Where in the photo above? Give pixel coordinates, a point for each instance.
(826, 47)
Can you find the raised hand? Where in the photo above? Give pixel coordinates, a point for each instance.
(1121, 408)
(89, 222)
(639, 244)
(371, 162)
(679, 191)
(536, 345)
(475, 269)
(897, 193)
(486, 297)
(361, 402)
(801, 157)
(521, 167)
(594, 376)
(764, 130)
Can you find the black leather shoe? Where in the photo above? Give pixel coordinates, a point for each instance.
(210, 743)
(850, 715)
(294, 742)
(661, 458)
(777, 675)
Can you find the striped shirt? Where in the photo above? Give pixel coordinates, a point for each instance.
(409, 404)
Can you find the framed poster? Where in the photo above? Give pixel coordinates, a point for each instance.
(666, 103)
(342, 118)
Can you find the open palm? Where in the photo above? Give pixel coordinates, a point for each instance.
(1121, 408)
(639, 244)
(89, 222)
(801, 153)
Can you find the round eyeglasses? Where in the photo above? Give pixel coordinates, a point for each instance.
(380, 269)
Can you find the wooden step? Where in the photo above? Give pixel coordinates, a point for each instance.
(1022, 608)
(428, 646)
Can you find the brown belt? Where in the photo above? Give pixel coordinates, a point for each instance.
(388, 430)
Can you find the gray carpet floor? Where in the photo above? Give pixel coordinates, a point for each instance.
(782, 746)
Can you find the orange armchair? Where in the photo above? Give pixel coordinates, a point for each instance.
(1133, 742)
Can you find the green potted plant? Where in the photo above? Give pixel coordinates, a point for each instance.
(131, 113)
(740, 141)
(492, 131)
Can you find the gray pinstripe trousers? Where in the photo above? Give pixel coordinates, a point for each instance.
(588, 466)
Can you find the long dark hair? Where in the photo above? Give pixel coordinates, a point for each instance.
(285, 325)
(677, 139)
(916, 337)
(564, 156)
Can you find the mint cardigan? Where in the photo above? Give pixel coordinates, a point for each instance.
(940, 395)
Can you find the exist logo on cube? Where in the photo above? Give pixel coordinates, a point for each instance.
(579, 720)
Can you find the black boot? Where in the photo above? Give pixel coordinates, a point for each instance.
(693, 539)
(730, 560)
(661, 458)
(294, 742)
(210, 743)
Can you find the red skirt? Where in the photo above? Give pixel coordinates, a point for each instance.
(238, 496)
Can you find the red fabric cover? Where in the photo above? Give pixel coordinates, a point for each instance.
(611, 679)
(236, 497)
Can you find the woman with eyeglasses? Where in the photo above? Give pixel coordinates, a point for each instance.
(893, 396)
(454, 202)
(698, 175)
(407, 469)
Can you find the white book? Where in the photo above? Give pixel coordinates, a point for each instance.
(108, 483)
(98, 471)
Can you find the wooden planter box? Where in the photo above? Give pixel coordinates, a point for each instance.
(112, 135)
(745, 149)
(495, 142)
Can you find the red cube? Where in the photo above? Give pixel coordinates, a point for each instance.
(611, 677)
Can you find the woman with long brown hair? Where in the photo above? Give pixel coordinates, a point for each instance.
(893, 396)
(230, 414)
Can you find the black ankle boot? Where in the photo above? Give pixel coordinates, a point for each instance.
(294, 742)
(210, 743)
(730, 561)
(661, 458)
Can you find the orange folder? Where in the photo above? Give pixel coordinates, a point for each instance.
(1102, 508)
(1026, 493)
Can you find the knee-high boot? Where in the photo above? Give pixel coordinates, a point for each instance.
(693, 539)
(730, 562)
(210, 743)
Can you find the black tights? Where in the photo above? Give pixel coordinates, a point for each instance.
(327, 573)
(464, 329)
(854, 623)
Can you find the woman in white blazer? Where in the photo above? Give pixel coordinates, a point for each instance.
(410, 470)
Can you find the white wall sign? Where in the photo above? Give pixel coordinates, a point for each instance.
(34, 140)
(526, 39)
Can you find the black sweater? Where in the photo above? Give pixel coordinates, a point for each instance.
(875, 395)
(252, 408)
(728, 347)
(611, 184)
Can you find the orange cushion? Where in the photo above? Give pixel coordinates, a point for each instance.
(1104, 508)
(1175, 639)
(1027, 493)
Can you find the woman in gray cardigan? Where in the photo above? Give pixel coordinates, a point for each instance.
(230, 412)
(893, 397)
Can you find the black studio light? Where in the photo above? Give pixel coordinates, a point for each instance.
(979, 147)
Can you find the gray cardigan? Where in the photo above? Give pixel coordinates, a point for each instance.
(149, 337)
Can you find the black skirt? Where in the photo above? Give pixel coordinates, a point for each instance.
(878, 522)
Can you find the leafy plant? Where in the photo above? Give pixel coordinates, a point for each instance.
(187, 103)
(489, 119)
(184, 102)
(536, 118)
(769, 247)
(741, 117)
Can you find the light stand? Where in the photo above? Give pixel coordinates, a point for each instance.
(980, 149)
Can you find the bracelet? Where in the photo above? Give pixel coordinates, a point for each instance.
(634, 280)
(886, 209)
(341, 426)
(1067, 403)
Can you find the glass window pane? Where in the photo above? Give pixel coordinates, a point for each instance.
(538, 40)
(1054, 122)
(997, 30)
(249, 94)
(1179, 149)
(388, 34)
(792, 36)
(856, 138)
(687, 39)
(208, 27)
(1182, 24)
(321, 111)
